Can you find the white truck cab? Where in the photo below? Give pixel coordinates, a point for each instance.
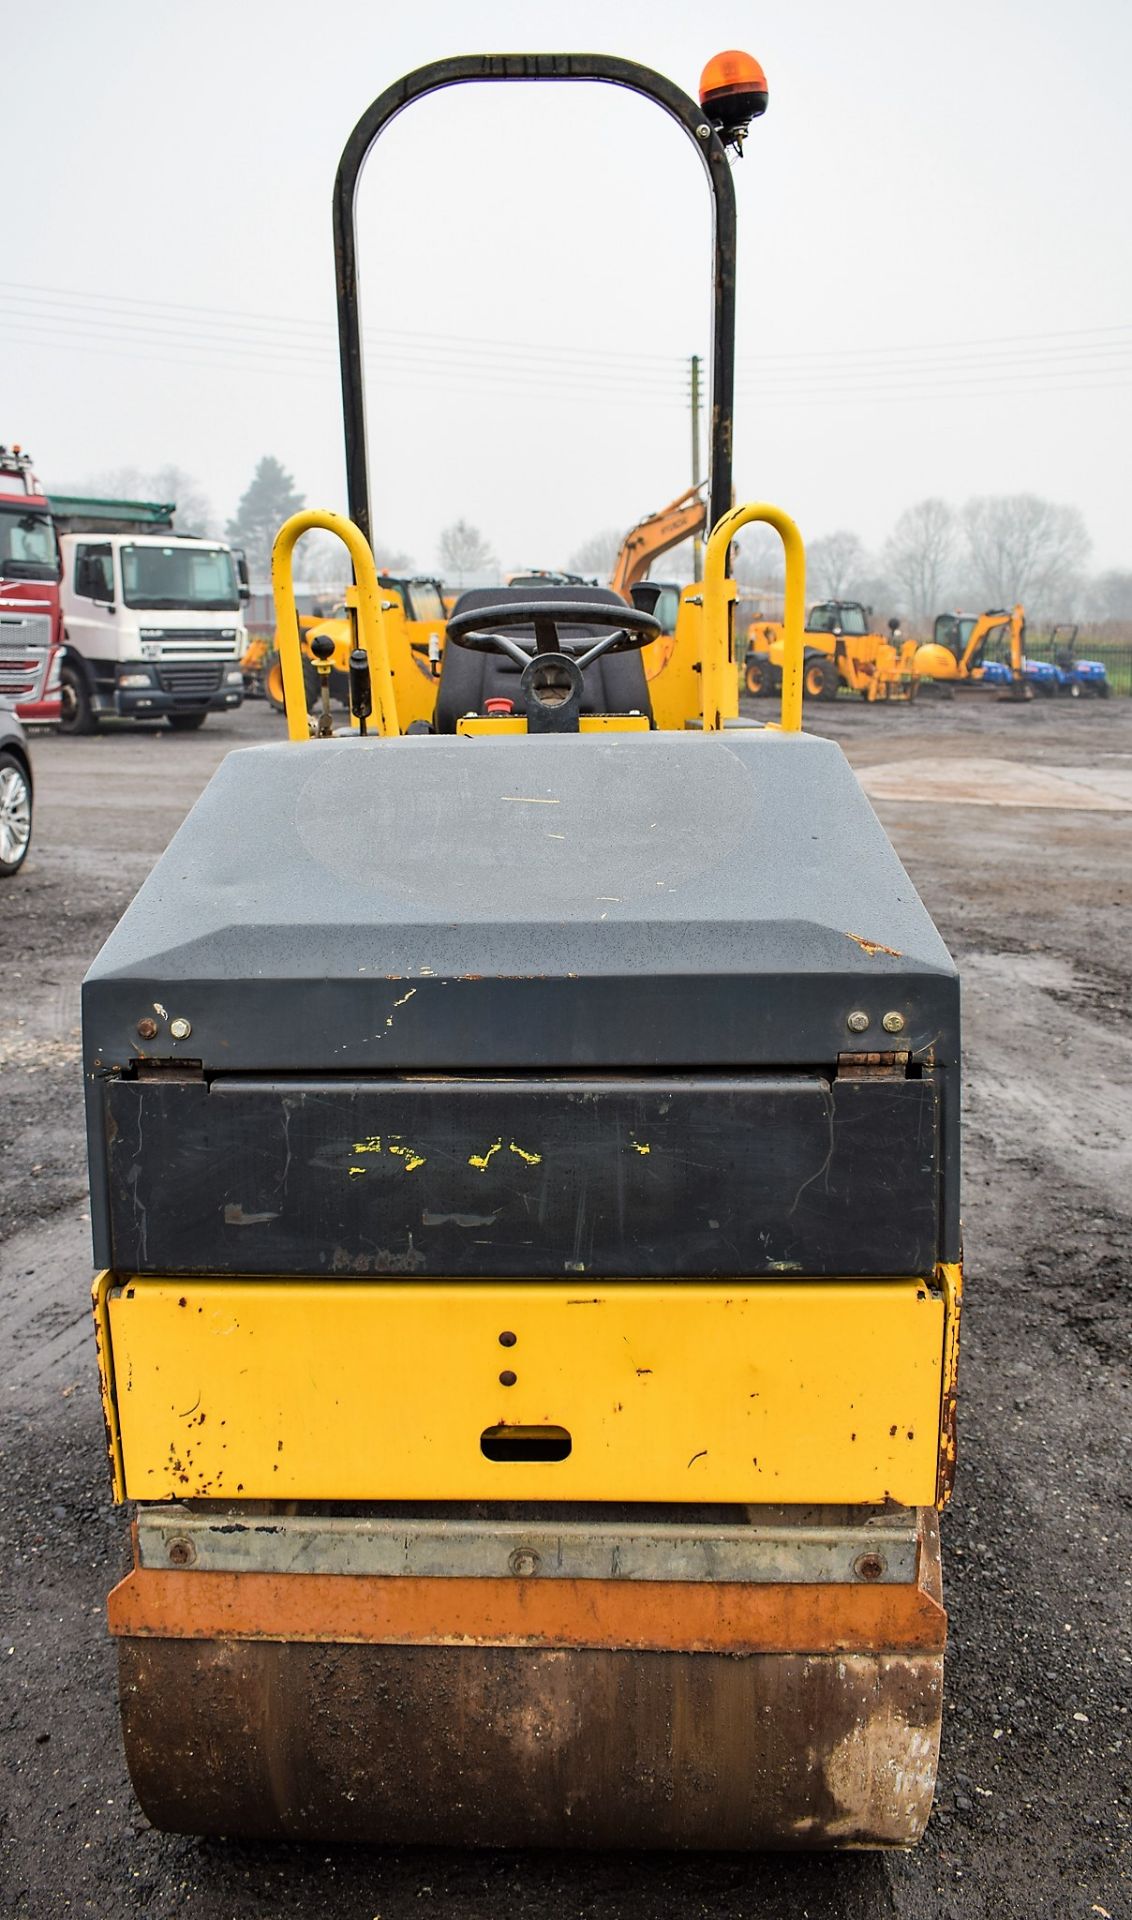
(153, 627)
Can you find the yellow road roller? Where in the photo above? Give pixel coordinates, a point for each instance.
(524, 1172)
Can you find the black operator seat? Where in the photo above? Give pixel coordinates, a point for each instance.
(615, 683)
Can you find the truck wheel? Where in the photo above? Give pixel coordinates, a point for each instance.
(760, 676)
(15, 815)
(76, 713)
(821, 679)
(186, 722)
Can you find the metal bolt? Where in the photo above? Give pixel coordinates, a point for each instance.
(857, 1022)
(507, 1378)
(182, 1552)
(180, 1029)
(703, 131)
(893, 1023)
(870, 1566)
(147, 1029)
(507, 1339)
(524, 1561)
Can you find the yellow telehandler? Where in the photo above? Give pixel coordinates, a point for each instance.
(524, 1172)
(841, 649)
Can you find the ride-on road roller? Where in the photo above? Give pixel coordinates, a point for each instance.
(524, 1165)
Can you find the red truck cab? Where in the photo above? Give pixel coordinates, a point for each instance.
(30, 619)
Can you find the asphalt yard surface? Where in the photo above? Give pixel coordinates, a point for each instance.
(1016, 825)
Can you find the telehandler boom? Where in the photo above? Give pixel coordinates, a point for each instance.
(524, 1171)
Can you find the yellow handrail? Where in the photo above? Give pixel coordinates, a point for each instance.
(371, 631)
(717, 651)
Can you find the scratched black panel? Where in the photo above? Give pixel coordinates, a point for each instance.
(708, 1176)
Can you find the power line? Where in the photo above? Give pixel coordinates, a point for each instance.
(228, 319)
(442, 379)
(449, 380)
(157, 332)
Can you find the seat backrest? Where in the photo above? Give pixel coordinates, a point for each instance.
(614, 684)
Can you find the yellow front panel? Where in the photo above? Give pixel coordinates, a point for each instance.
(771, 1391)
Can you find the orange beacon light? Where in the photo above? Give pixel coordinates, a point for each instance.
(733, 92)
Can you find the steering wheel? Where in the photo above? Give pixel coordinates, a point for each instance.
(477, 629)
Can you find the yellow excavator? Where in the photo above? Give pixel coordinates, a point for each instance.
(841, 650)
(524, 1172)
(977, 653)
(671, 661)
(682, 519)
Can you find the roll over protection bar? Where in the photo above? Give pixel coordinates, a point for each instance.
(601, 67)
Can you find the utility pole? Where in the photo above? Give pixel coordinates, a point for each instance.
(697, 543)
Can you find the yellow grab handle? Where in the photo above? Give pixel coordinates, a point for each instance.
(717, 649)
(371, 631)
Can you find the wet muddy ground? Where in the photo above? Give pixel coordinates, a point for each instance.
(1016, 824)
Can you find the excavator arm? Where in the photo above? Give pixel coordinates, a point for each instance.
(657, 533)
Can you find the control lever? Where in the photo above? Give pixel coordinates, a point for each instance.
(322, 652)
(361, 689)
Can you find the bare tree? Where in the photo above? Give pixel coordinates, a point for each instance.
(835, 564)
(756, 558)
(463, 549)
(322, 561)
(920, 556)
(170, 485)
(1021, 547)
(597, 554)
(1109, 596)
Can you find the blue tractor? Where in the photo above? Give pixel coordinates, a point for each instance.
(1063, 672)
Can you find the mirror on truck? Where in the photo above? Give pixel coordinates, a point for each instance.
(243, 584)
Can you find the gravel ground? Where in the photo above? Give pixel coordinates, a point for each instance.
(1032, 1811)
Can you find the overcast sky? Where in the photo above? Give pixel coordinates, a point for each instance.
(935, 280)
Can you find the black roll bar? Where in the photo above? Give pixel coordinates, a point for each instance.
(535, 66)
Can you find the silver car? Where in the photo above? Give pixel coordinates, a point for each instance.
(15, 795)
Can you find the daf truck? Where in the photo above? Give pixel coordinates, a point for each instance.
(153, 623)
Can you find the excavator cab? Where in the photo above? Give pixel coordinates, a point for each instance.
(524, 1173)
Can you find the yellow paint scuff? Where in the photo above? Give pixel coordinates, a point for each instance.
(371, 1145)
(479, 1160)
(532, 1159)
(412, 1159)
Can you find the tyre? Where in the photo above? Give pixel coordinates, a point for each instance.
(76, 715)
(821, 678)
(15, 814)
(760, 676)
(1103, 689)
(273, 682)
(186, 722)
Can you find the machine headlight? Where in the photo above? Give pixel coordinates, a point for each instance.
(135, 680)
(235, 679)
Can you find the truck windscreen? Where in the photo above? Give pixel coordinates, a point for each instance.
(192, 578)
(28, 547)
